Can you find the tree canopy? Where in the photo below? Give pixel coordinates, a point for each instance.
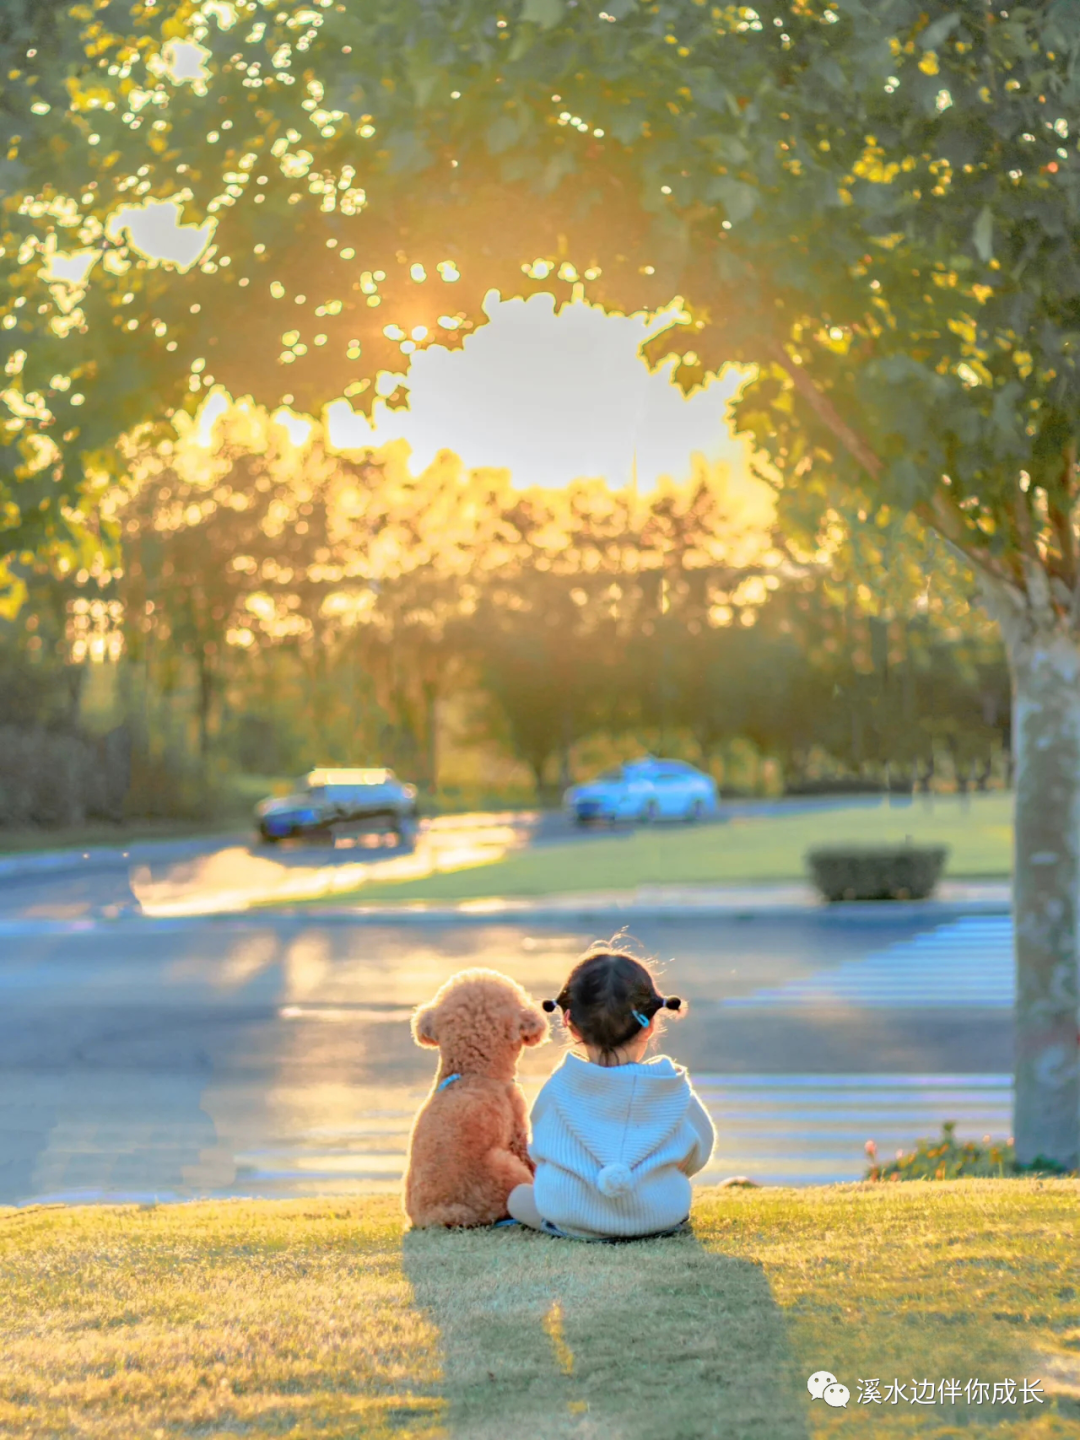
(275, 606)
(876, 205)
(873, 201)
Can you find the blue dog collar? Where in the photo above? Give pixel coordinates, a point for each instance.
(448, 1081)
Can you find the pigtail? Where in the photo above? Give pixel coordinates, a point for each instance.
(610, 996)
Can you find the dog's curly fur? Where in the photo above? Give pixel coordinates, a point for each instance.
(469, 1142)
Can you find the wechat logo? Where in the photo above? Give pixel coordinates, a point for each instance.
(823, 1385)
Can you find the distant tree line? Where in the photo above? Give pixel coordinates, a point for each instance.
(270, 607)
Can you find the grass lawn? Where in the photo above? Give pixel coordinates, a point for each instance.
(978, 832)
(103, 834)
(320, 1319)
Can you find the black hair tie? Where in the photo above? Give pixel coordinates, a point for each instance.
(671, 1003)
(550, 1006)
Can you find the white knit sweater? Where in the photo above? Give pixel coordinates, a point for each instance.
(615, 1146)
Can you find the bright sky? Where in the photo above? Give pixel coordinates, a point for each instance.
(551, 398)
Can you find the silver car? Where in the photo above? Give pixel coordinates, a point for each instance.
(327, 802)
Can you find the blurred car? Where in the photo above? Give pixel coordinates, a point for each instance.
(329, 801)
(646, 789)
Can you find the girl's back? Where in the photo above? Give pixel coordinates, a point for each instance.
(615, 1146)
(615, 1137)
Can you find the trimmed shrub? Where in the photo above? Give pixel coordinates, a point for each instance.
(880, 872)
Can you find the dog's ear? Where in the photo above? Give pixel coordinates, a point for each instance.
(534, 1026)
(423, 1025)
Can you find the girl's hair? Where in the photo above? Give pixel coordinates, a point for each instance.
(610, 996)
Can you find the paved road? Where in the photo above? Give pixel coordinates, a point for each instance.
(228, 873)
(269, 1054)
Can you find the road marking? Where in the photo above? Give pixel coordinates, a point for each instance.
(964, 964)
(778, 1129)
(811, 1129)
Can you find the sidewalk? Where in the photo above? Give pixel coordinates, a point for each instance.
(109, 857)
(954, 897)
(224, 875)
(701, 902)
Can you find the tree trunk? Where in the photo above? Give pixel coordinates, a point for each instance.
(432, 736)
(1039, 624)
(537, 763)
(565, 777)
(1045, 666)
(206, 697)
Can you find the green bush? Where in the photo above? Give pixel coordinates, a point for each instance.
(887, 872)
(947, 1159)
(57, 778)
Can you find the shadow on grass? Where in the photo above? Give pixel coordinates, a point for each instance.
(547, 1338)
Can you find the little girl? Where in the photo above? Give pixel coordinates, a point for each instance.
(615, 1137)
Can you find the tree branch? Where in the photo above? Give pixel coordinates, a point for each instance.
(826, 411)
(1022, 518)
(1061, 518)
(943, 514)
(1036, 571)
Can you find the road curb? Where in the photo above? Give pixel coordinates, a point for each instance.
(672, 902)
(602, 914)
(14, 867)
(932, 911)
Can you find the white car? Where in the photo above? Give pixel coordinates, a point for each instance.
(646, 790)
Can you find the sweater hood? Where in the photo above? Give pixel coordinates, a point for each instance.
(620, 1114)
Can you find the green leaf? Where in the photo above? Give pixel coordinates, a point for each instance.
(934, 34)
(12, 174)
(738, 199)
(982, 236)
(1005, 410)
(626, 125)
(521, 44)
(408, 152)
(709, 93)
(907, 479)
(424, 78)
(832, 73)
(544, 13)
(502, 134)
